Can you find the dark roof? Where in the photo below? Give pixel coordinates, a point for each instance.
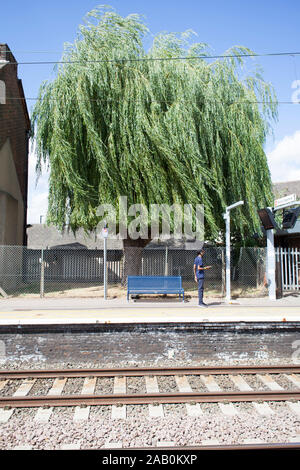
(69, 246)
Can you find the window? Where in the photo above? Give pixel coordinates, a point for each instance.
(2, 92)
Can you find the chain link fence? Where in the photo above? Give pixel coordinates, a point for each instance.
(80, 272)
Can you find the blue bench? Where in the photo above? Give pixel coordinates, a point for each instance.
(154, 285)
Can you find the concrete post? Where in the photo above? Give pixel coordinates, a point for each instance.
(226, 216)
(271, 264)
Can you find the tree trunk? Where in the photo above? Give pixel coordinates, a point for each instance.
(133, 257)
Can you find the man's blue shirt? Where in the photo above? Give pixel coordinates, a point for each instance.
(199, 262)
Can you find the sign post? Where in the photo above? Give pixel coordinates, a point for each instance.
(285, 201)
(105, 235)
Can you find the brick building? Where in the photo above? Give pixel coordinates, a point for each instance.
(14, 136)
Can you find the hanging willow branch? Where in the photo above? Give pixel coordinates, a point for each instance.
(158, 131)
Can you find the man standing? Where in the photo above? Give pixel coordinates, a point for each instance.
(199, 276)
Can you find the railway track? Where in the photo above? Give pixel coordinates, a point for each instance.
(146, 371)
(120, 396)
(153, 392)
(143, 399)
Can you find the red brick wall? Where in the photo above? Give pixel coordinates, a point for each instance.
(14, 121)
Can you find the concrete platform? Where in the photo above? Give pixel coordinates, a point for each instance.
(37, 311)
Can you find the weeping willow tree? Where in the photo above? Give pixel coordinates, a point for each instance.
(168, 125)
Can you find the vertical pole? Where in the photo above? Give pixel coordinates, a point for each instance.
(104, 268)
(286, 269)
(227, 219)
(294, 269)
(42, 280)
(297, 269)
(290, 268)
(271, 264)
(226, 216)
(166, 261)
(223, 273)
(281, 266)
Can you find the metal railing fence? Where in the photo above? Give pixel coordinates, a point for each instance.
(65, 271)
(289, 260)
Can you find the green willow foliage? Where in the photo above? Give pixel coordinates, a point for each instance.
(158, 131)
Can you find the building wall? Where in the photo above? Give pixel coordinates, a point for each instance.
(14, 129)
(288, 241)
(11, 200)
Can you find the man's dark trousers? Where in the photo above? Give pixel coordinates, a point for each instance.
(200, 290)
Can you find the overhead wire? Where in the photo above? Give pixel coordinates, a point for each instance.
(161, 101)
(145, 59)
(118, 61)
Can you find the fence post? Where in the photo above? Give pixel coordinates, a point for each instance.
(223, 273)
(105, 268)
(42, 280)
(278, 275)
(166, 261)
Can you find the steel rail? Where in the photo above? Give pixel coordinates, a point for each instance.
(142, 371)
(150, 398)
(254, 446)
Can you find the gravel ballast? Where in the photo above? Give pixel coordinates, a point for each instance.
(142, 431)
(139, 429)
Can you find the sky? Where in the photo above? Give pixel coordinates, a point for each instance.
(37, 31)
